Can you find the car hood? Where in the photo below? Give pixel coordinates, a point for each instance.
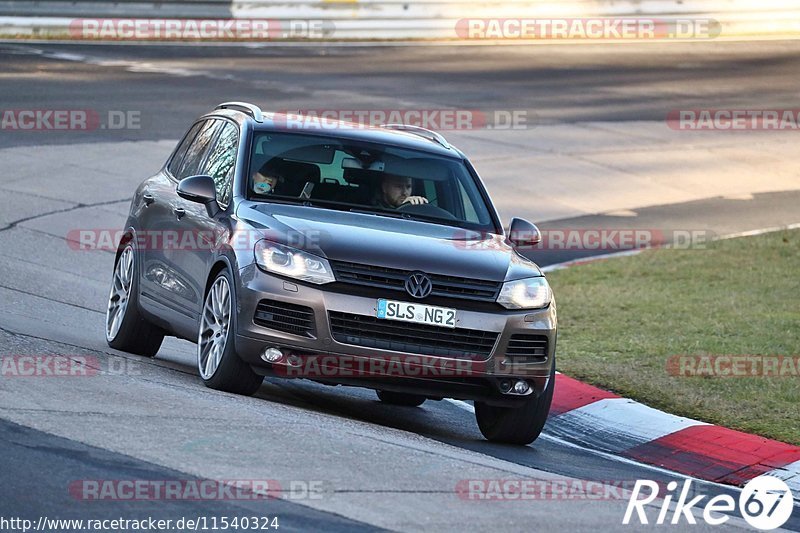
(389, 242)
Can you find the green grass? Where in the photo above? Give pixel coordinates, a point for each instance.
(621, 319)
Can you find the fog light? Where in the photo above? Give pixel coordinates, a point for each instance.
(521, 387)
(505, 386)
(294, 360)
(272, 355)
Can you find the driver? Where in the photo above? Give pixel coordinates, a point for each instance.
(396, 191)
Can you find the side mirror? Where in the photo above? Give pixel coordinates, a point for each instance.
(200, 189)
(523, 233)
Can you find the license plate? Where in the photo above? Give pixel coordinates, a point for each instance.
(417, 313)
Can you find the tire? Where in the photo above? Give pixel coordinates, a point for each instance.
(516, 425)
(398, 398)
(126, 329)
(219, 365)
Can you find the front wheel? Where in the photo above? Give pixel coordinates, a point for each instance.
(219, 365)
(398, 398)
(516, 425)
(126, 329)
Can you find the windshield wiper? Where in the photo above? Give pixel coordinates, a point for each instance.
(309, 202)
(409, 216)
(380, 212)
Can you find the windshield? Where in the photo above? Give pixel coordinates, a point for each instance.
(352, 175)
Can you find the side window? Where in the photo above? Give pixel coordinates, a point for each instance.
(221, 161)
(470, 215)
(177, 159)
(194, 155)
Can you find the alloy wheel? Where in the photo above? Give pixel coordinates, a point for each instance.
(214, 324)
(120, 293)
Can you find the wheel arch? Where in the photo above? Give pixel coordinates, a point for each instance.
(220, 264)
(127, 236)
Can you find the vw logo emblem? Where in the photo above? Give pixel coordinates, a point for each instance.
(419, 285)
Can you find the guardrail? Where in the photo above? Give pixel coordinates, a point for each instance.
(398, 19)
(117, 8)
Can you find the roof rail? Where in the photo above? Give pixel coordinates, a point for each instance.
(248, 109)
(422, 132)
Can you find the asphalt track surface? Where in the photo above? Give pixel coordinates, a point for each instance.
(379, 466)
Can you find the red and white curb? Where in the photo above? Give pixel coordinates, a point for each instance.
(598, 420)
(601, 421)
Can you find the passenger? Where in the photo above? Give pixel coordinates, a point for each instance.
(265, 181)
(396, 191)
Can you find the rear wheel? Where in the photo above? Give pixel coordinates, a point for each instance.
(398, 398)
(516, 425)
(219, 365)
(126, 329)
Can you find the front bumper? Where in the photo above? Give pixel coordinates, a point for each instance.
(320, 357)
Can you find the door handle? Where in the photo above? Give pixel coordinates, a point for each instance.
(148, 199)
(179, 212)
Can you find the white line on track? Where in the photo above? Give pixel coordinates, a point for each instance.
(762, 231)
(624, 253)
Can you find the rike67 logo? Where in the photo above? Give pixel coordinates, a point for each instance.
(765, 503)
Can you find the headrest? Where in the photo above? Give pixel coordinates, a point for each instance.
(361, 176)
(417, 168)
(291, 170)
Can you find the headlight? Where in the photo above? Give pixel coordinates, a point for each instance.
(529, 293)
(293, 263)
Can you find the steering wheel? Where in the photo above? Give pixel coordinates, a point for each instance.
(427, 210)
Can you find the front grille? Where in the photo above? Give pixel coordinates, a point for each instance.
(394, 279)
(524, 348)
(290, 318)
(372, 332)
